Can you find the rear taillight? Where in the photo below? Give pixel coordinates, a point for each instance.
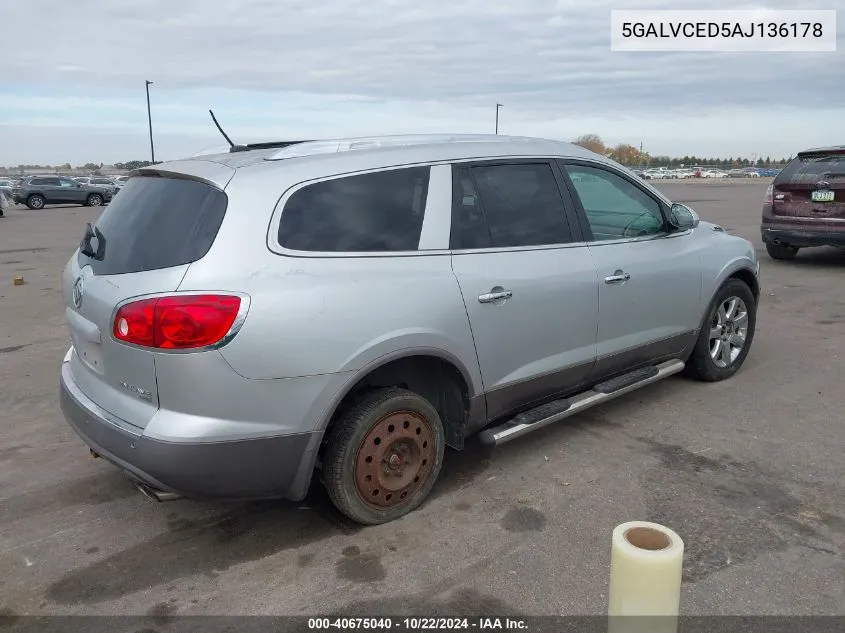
(770, 190)
(177, 322)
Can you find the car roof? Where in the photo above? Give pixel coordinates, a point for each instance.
(417, 147)
(315, 158)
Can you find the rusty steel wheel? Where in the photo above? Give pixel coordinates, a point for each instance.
(394, 458)
(383, 455)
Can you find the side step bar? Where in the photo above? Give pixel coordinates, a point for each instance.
(558, 410)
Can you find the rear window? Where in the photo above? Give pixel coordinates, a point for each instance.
(808, 170)
(377, 212)
(157, 223)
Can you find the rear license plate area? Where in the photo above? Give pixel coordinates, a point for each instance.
(822, 195)
(89, 353)
(92, 356)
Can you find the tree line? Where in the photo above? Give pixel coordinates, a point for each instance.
(92, 167)
(632, 156)
(623, 153)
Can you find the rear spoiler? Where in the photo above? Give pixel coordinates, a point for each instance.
(838, 149)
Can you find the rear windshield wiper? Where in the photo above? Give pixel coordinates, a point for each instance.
(87, 248)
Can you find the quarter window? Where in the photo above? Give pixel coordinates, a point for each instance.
(615, 207)
(508, 206)
(376, 212)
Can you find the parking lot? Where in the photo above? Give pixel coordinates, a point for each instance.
(749, 472)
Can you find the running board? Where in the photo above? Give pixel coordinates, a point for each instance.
(560, 409)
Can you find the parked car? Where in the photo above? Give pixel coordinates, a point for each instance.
(101, 182)
(243, 321)
(766, 172)
(713, 173)
(805, 204)
(5, 195)
(38, 191)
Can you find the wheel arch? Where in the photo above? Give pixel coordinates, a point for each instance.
(748, 277)
(416, 369)
(434, 373)
(742, 268)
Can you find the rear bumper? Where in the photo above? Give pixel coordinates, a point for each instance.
(803, 239)
(248, 469)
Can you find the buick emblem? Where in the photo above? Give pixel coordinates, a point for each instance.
(78, 291)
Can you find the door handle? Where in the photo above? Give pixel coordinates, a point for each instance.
(495, 295)
(619, 277)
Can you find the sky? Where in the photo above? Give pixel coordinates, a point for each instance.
(285, 69)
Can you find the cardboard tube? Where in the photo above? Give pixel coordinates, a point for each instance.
(646, 564)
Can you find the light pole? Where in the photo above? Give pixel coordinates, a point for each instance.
(150, 119)
(498, 105)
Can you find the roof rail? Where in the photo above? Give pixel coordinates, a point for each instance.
(307, 148)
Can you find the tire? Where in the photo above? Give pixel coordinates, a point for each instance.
(383, 489)
(781, 251)
(36, 201)
(701, 364)
(94, 200)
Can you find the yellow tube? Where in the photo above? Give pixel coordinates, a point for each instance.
(646, 563)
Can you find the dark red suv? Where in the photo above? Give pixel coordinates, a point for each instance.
(805, 204)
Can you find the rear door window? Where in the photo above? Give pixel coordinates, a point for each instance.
(376, 212)
(509, 205)
(156, 223)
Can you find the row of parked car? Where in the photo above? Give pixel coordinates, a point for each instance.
(39, 191)
(664, 173)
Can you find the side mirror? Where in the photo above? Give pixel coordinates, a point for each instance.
(682, 217)
(78, 185)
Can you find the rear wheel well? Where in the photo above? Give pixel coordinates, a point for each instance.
(749, 279)
(435, 379)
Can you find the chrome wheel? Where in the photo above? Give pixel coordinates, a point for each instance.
(728, 331)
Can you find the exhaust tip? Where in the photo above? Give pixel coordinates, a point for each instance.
(156, 495)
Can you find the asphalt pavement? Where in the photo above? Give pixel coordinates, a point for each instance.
(749, 472)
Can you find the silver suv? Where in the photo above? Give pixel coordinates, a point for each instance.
(245, 320)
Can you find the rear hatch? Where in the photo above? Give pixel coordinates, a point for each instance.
(142, 244)
(812, 186)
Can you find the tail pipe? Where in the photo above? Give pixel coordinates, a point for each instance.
(155, 494)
